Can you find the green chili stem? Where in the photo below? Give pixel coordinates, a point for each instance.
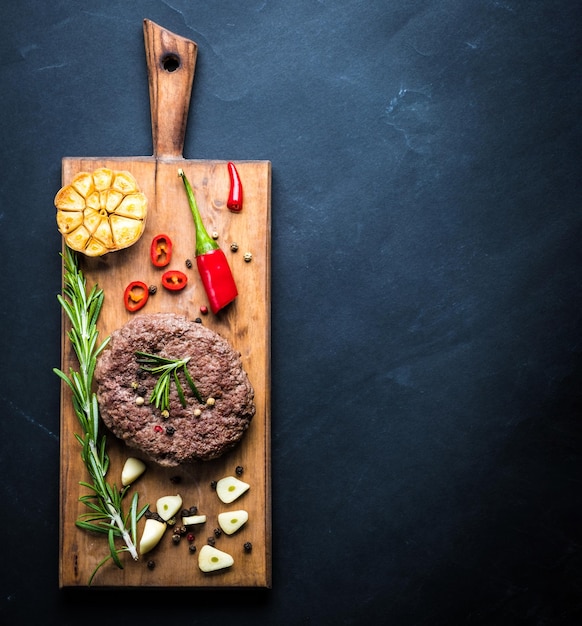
(204, 242)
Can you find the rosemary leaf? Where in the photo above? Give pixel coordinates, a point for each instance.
(113, 549)
(179, 388)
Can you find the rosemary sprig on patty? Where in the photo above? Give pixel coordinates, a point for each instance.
(167, 371)
(104, 501)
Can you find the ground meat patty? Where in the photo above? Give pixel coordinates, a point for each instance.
(182, 437)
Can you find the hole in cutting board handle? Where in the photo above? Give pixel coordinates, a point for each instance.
(171, 62)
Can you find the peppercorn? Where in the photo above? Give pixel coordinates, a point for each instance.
(190, 537)
(180, 530)
(204, 310)
(198, 320)
(171, 521)
(176, 539)
(213, 484)
(193, 510)
(149, 514)
(152, 289)
(214, 235)
(217, 532)
(139, 401)
(184, 513)
(170, 430)
(165, 414)
(141, 390)
(151, 564)
(192, 548)
(158, 428)
(239, 470)
(211, 541)
(248, 546)
(234, 246)
(134, 385)
(210, 402)
(248, 257)
(197, 412)
(188, 263)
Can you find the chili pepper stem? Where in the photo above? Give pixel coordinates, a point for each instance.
(204, 242)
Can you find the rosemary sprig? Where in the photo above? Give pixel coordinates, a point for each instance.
(167, 371)
(104, 501)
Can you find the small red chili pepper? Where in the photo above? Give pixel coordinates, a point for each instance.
(212, 265)
(174, 280)
(135, 296)
(161, 250)
(235, 197)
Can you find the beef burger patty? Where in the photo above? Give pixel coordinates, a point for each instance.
(196, 432)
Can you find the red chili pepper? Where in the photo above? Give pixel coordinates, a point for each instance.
(235, 197)
(161, 250)
(174, 280)
(212, 264)
(135, 296)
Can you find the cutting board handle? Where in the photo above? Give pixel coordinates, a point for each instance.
(171, 61)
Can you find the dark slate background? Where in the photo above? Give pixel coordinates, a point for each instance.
(427, 295)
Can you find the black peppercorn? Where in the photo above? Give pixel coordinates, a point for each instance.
(152, 289)
(211, 541)
(149, 514)
(213, 484)
(176, 538)
(217, 532)
(188, 263)
(192, 548)
(198, 320)
(248, 546)
(192, 510)
(239, 470)
(170, 430)
(151, 564)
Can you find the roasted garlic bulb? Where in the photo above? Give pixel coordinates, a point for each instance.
(100, 212)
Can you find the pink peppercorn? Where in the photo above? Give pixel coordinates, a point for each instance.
(158, 428)
(190, 537)
(204, 309)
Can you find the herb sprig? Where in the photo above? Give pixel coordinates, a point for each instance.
(167, 370)
(104, 501)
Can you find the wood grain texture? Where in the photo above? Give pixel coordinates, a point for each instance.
(245, 324)
(171, 62)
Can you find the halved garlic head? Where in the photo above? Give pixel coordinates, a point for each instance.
(101, 212)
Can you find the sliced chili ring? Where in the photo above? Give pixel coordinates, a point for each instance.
(174, 280)
(135, 296)
(161, 250)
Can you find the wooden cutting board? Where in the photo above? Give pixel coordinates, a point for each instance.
(245, 324)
